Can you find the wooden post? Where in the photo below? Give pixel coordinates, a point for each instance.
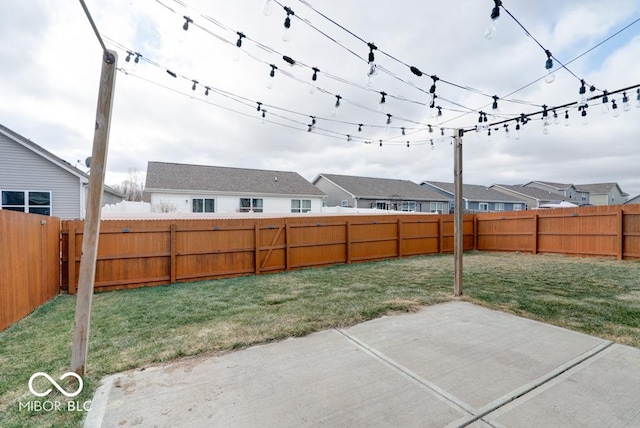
(257, 244)
(348, 239)
(534, 250)
(172, 248)
(620, 240)
(458, 226)
(86, 280)
(287, 253)
(399, 230)
(440, 234)
(475, 232)
(71, 257)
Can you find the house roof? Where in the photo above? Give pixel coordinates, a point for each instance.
(601, 188)
(532, 192)
(163, 176)
(382, 188)
(634, 200)
(475, 192)
(30, 145)
(557, 186)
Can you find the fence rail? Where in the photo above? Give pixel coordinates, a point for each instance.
(29, 263)
(139, 253)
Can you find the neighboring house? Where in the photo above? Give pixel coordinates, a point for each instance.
(478, 198)
(574, 194)
(533, 196)
(634, 200)
(604, 193)
(174, 187)
(35, 180)
(380, 193)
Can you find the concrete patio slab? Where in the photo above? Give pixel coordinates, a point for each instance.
(454, 364)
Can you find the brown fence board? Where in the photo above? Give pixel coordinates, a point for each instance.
(29, 263)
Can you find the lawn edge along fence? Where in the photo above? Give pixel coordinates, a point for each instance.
(136, 253)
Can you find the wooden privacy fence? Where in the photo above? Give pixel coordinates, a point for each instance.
(134, 253)
(607, 231)
(29, 263)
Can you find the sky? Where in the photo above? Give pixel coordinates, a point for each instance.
(51, 62)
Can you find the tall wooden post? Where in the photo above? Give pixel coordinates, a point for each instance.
(458, 226)
(86, 279)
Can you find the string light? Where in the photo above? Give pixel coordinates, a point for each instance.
(545, 115)
(506, 130)
(383, 100)
(614, 107)
(432, 146)
(638, 98)
(605, 102)
(264, 114)
(236, 55)
(373, 68)
(268, 8)
(583, 113)
(187, 21)
(550, 77)
(403, 131)
(408, 145)
(289, 60)
(517, 128)
(314, 77)
(582, 101)
(556, 119)
(195, 83)
(360, 127)
(626, 106)
(494, 106)
(432, 91)
(386, 128)
(206, 91)
(566, 118)
(272, 75)
(336, 106)
(490, 32)
(286, 35)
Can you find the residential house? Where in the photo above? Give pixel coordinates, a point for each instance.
(478, 198)
(533, 196)
(36, 181)
(574, 194)
(174, 187)
(634, 200)
(604, 193)
(380, 193)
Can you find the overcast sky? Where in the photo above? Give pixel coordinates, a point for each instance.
(51, 64)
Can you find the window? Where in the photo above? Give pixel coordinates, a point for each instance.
(300, 205)
(517, 207)
(483, 206)
(250, 204)
(203, 205)
(29, 202)
(436, 207)
(499, 206)
(344, 203)
(408, 206)
(382, 205)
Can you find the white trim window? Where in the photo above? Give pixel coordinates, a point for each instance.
(483, 206)
(499, 206)
(203, 205)
(409, 206)
(300, 205)
(436, 207)
(255, 205)
(34, 202)
(517, 207)
(382, 205)
(344, 203)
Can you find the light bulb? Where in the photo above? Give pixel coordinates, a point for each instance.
(477, 131)
(270, 83)
(236, 54)
(336, 106)
(432, 146)
(585, 121)
(286, 34)
(614, 107)
(556, 118)
(267, 8)
(626, 105)
(550, 77)
(312, 88)
(373, 71)
(638, 98)
(545, 128)
(490, 32)
(517, 131)
(566, 118)
(264, 114)
(605, 103)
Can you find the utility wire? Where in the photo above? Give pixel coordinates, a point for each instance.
(93, 25)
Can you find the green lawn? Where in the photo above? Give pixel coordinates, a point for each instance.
(136, 328)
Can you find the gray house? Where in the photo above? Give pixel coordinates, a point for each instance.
(533, 196)
(634, 200)
(36, 181)
(571, 193)
(174, 187)
(478, 198)
(604, 193)
(380, 193)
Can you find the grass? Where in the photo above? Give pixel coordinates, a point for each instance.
(137, 328)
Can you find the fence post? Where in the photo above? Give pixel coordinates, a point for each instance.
(475, 232)
(399, 230)
(287, 253)
(534, 250)
(71, 257)
(440, 235)
(172, 249)
(348, 239)
(257, 246)
(620, 240)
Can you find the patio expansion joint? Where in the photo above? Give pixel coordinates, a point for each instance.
(533, 385)
(414, 377)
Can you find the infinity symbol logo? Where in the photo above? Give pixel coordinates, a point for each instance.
(54, 383)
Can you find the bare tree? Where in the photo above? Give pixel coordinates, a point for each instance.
(164, 206)
(131, 188)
